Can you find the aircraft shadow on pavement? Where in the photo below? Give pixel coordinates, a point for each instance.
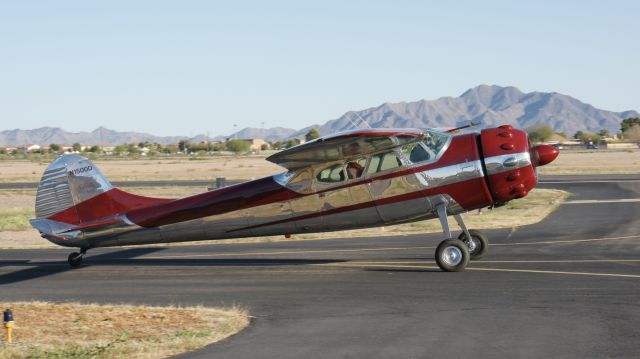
(43, 269)
(405, 270)
(229, 262)
(128, 257)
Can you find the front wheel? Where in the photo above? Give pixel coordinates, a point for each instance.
(452, 255)
(478, 245)
(74, 259)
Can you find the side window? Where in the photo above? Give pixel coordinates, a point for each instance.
(384, 161)
(302, 181)
(331, 174)
(435, 141)
(355, 167)
(415, 153)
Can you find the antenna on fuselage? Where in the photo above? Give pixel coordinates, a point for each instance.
(471, 123)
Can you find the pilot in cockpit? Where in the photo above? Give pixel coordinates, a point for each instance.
(354, 169)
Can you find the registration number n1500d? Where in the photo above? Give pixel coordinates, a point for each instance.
(82, 170)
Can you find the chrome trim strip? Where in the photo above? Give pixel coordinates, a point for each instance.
(502, 163)
(452, 174)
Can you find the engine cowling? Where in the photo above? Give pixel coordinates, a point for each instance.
(511, 161)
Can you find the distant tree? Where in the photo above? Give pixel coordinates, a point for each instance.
(540, 133)
(3, 151)
(218, 146)
(173, 148)
(264, 147)
(633, 134)
(54, 148)
(311, 135)
(627, 123)
(238, 146)
(292, 142)
(76, 147)
(578, 135)
(603, 133)
(120, 149)
(132, 148)
(94, 149)
(586, 137)
(277, 145)
(183, 145)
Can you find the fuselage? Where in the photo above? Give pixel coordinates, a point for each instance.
(401, 184)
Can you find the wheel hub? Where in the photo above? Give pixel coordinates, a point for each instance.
(473, 244)
(452, 256)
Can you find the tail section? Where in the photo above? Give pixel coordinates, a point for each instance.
(74, 197)
(67, 182)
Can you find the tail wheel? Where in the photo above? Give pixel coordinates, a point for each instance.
(75, 259)
(478, 244)
(452, 255)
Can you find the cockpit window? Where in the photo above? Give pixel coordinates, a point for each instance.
(415, 153)
(383, 161)
(331, 174)
(435, 140)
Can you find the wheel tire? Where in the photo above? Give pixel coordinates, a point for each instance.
(480, 246)
(74, 259)
(452, 255)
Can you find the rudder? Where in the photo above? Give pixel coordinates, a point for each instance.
(68, 181)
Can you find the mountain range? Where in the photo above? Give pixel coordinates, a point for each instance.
(491, 104)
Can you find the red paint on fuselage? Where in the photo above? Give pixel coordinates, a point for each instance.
(108, 204)
(228, 199)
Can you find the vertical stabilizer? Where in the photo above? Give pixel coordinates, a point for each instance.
(68, 181)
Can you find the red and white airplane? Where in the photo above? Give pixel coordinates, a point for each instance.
(353, 179)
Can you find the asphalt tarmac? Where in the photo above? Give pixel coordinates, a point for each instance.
(568, 287)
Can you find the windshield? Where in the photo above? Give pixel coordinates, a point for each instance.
(435, 140)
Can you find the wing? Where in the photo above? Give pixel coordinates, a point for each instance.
(344, 145)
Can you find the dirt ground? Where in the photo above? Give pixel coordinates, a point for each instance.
(232, 168)
(251, 167)
(595, 161)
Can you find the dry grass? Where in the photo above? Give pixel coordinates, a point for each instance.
(15, 219)
(72, 330)
(594, 162)
(183, 169)
(531, 209)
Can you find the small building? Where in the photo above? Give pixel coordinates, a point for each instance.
(32, 147)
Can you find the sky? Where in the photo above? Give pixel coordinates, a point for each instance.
(191, 67)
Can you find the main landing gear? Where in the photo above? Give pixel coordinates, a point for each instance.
(75, 258)
(453, 255)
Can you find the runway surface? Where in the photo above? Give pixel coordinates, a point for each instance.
(568, 287)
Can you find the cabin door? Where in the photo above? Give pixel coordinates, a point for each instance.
(397, 197)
